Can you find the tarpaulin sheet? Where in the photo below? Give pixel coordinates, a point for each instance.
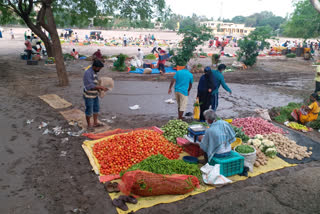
(145, 202)
(154, 71)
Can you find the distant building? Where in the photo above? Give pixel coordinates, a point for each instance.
(158, 25)
(228, 29)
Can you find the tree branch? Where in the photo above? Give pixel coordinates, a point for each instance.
(14, 8)
(316, 4)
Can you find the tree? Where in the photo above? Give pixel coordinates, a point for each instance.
(316, 4)
(304, 21)
(252, 44)
(25, 9)
(193, 36)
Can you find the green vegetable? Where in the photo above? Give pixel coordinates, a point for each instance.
(244, 149)
(174, 129)
(240, 134)
(161, 165)
(283, 114)
(150, 56)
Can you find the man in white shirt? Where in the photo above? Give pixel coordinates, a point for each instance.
(155, 46)
(140, 56)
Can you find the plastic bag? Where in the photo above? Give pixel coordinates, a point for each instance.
(144, 183)
(249, 159)
(211, 175)
(196, 110)
(263, 113)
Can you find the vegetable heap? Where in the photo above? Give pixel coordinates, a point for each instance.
(174, 129)
(253, 126)
(161, 165)
(297, 126)
(244, 149)
(240, 134)
(288, 148)
(264, 145)
(283, 114)
(124, 150)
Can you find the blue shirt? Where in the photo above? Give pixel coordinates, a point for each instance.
(89, 79)
(218, 138)
(183, 79)
(218, 80)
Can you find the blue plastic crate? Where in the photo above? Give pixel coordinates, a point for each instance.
(193, 133)
(231, 165)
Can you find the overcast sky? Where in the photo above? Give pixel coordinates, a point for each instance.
(229, 8)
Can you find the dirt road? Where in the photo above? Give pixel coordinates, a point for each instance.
(36, 177)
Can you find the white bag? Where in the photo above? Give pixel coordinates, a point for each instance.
(211, 175)
(263, 113)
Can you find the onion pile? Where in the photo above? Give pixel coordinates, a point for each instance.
(253, 126)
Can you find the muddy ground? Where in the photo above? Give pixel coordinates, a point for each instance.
(37, 178)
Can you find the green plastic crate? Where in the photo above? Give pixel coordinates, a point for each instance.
(231, 165)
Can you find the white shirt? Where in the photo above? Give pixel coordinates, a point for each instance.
(125, 38)
(140, 55)
(155, 44)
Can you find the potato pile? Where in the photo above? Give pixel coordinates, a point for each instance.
(261, 158)
(289, 148)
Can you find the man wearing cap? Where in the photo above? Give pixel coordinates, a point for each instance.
(91, 92)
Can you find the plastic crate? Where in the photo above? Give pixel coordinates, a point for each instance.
(231, 165)
(193, 149)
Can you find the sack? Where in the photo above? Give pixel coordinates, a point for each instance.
(105, 82)
(147, 71)
(144, 183)
(263, 113)
(196, 110)
(249, 159)
(211, 175)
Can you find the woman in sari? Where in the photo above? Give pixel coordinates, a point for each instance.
(308, 113)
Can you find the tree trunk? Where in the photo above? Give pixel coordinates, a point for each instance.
(316, 4)
(52, 29)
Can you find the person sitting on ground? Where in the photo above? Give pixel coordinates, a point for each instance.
(183, 80)
(308, 113)
(218, 138)
(162, 61)
(98, 56)
(91, 92)
(74, 54)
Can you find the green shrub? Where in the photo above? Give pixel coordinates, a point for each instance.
(291, 55)
(120, 65)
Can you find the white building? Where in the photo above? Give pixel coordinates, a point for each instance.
(228, 29)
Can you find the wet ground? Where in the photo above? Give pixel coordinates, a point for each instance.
(36, 178)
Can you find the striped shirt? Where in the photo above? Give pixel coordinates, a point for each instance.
(90, 81)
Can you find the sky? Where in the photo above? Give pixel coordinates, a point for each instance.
(229, 8)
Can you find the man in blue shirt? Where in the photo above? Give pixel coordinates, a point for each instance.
(183, 83)
(218, 80)
(91, 92)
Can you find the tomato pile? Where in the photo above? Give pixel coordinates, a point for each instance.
(124, 150)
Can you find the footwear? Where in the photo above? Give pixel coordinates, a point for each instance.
(129, 199)
(111, 187)
(98, 125)
(120, 204)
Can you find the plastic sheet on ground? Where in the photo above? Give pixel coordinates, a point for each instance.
(154, 71)
(55, 101)
(145, 202)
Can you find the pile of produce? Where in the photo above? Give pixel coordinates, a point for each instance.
(150, 56)
(244, 149)
(264, 145)
(297, 126)
(283, 114)
(288, 148)
(315, 124)
(161, 165)
(262, 159)
(240, 134)
(124, 150)
(174, 129)
(253, 126)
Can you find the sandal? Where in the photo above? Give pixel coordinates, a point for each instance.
(111, 187)
(98, 125)
(129, 199)
(120, 204)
